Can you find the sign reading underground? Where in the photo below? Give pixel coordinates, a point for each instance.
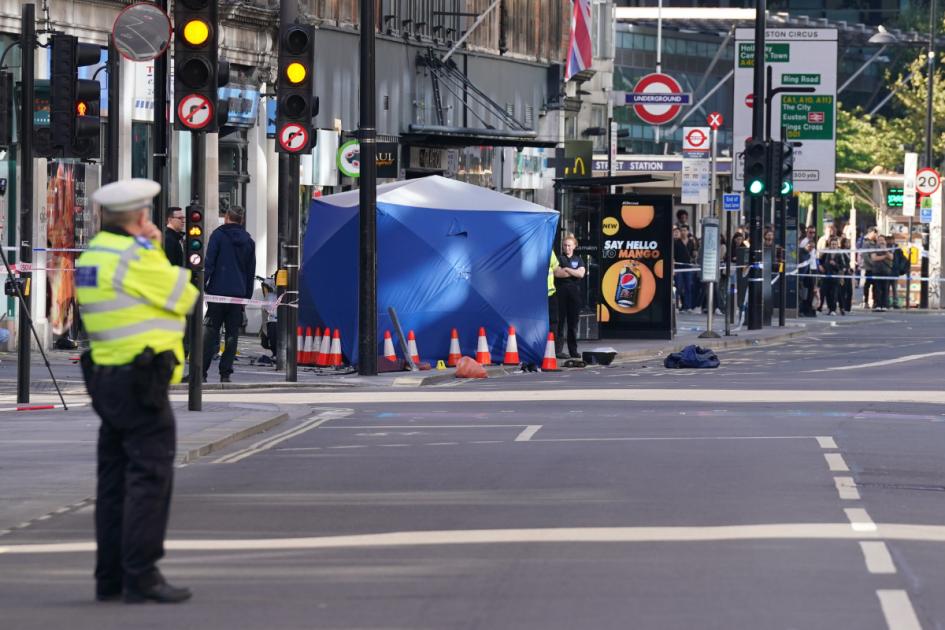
(636, 267)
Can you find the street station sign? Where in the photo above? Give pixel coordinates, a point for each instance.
(798, 57)
(657, 98)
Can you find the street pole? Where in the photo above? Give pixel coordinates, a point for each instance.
(110, 167)
(282, 223)
(710, 302)
(159, 159)
(924, 295)
(782, 279)
(292, 268)
(198, 177)
(756, 203)
(27, 47)
(367, 263)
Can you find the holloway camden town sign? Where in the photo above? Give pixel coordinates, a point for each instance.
(798, 57)
(657, 98)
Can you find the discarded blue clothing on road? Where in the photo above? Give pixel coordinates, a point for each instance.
(692, 357)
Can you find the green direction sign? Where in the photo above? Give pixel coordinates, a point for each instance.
(774, 53)
(800, 79)
(807, 116)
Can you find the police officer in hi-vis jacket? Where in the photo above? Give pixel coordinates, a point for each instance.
(133, 304)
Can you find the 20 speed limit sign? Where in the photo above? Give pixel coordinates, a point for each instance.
(927, 181)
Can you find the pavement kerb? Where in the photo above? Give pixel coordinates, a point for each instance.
(192, 453)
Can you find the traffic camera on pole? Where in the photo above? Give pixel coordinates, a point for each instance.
(197, 69)
(75, 127)
(297, 105)
(756, 167)
(194, 240)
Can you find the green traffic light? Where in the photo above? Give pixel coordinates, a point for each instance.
(786, 188)
(756, 187)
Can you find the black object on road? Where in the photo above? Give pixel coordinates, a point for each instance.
(692, 357)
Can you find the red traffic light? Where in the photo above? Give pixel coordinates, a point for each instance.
(196, 216)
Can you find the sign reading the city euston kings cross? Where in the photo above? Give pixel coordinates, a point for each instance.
(636, 266)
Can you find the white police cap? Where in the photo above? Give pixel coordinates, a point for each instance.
(127, 195)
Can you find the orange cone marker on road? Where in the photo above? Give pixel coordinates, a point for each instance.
(389, 353)
(511, 349)
(550, 362)
(483, 356)
(454, 355)
(412, 347)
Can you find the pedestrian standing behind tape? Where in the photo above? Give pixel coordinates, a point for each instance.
(133, 303)
(230, 271)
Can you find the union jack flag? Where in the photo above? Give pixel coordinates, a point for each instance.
(579, 46)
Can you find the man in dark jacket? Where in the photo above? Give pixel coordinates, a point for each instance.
(174, 237)
(230, 270)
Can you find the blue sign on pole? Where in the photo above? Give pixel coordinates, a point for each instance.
(732, 202)
(925, 215)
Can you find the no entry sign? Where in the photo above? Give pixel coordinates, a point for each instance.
(657, 98)
(715, 120)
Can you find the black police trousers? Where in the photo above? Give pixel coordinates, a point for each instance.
(136, 448)
(569, 310)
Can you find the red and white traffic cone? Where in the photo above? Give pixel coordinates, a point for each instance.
(324, 349)
(311, 346)
(455, 355)
(389, 353)
(483, 356)
(511, 349)
(300, 346)
(334, 358)
(412, 347)
(550, 362)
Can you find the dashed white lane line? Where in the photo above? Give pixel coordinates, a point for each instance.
(911, 357)
(528, 433)
(876, 555)
(846, 488)
(825, 441)
(836, 463)
(860, 521)
(898, 610)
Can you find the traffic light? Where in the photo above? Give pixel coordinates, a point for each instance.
(75, 128)
(756, 167)
(296, 105)
(197, 69)
(193, 241)
(785, 172)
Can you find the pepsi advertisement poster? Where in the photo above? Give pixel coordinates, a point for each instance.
(636, 257)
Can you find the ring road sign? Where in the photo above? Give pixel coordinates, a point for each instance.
(714, 120)
(657, 98)
(293, 137)
(927, 181)
(194, 111)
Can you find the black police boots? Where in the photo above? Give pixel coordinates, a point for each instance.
(161, 592)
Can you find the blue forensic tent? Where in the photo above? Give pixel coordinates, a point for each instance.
(449, 255)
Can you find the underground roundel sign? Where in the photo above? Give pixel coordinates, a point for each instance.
(657, 98)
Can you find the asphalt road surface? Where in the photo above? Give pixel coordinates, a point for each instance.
(797, 486)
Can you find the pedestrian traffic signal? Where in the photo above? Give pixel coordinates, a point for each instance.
(296, 105)
(198, 72)
(75, 127)
(194, 237)
(785, 172)
(756, 167)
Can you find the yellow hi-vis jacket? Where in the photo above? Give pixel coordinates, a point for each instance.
(131, 298)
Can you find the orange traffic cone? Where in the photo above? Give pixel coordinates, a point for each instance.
(454, 355)
(389, 353)
(299, 346)
(483, 356)
(412, 347)
(335, 356)
(311, 346)
(550, 362)
(324, 349)
(511, 349)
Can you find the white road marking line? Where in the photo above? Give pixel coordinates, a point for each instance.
(442, 443)
(772, 531)
(846, 488)
(674, 395)
(911, 357)
(836, 463)
(860, 521)
(430, 426)
(898, 610)
(877, 557)
(527, 434)
(677, 438)
(825, 441)
(486, 442)
(348, 446)
(278, 438)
